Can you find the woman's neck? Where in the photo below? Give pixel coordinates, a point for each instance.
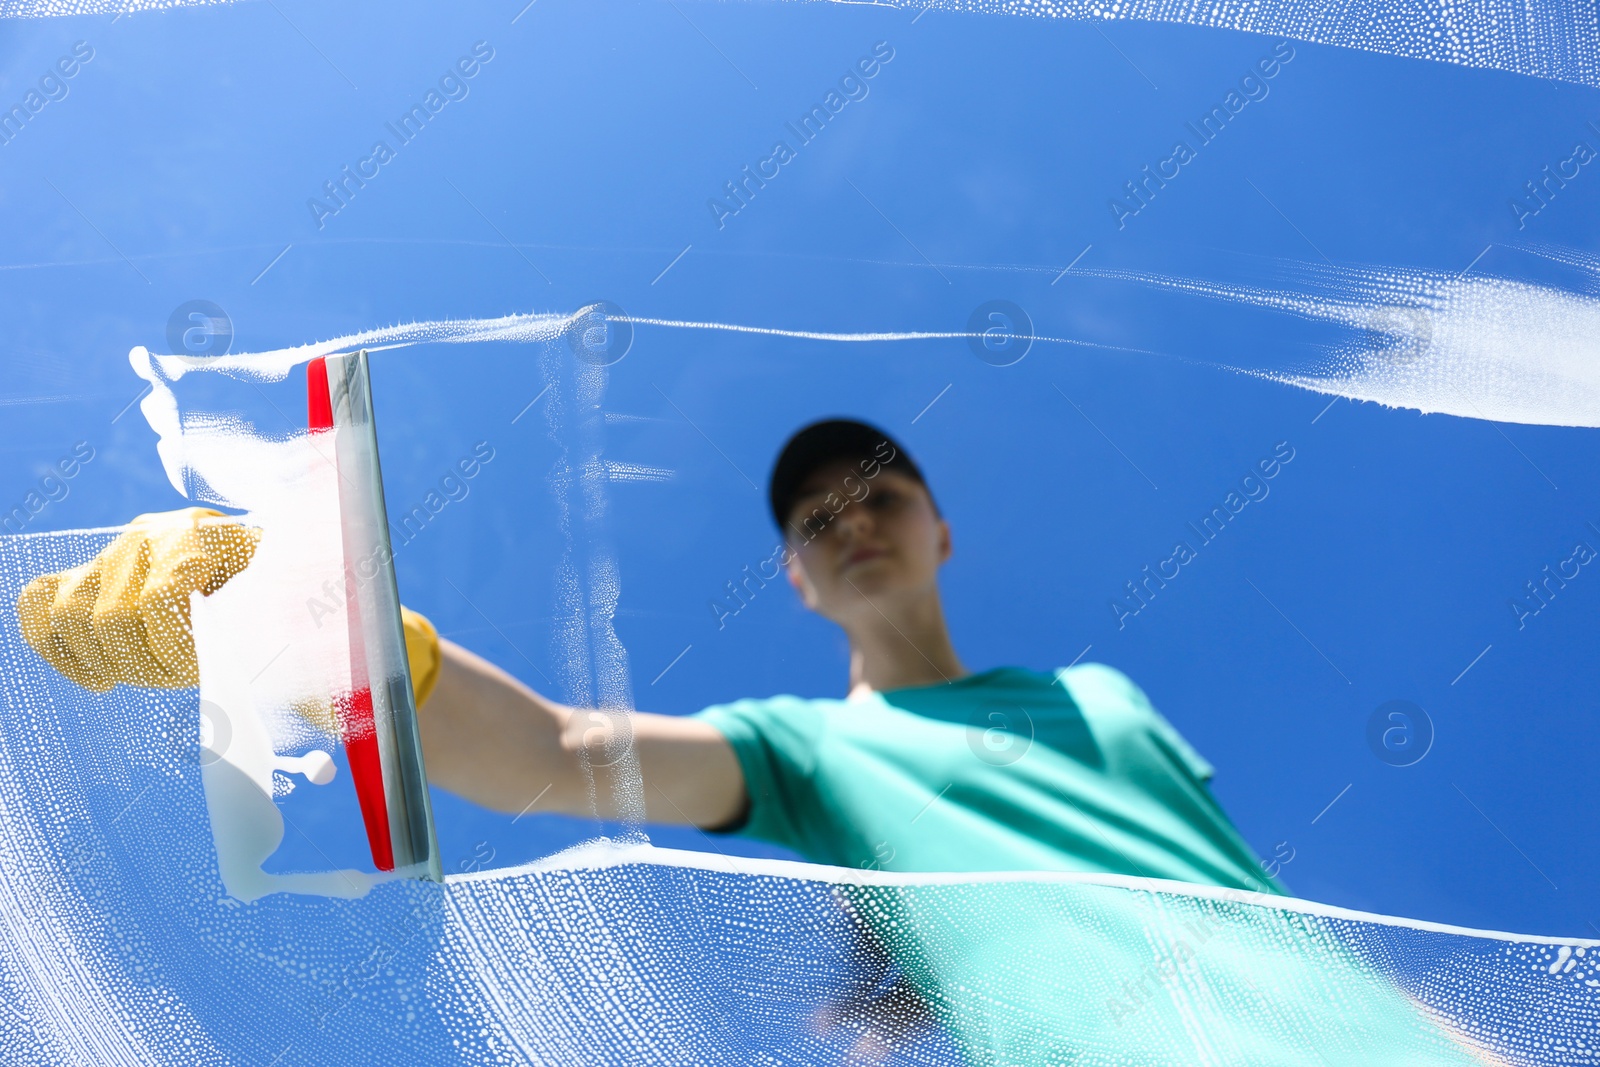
(895, 646)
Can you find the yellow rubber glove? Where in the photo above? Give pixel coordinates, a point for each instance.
(124, 615)
(422, 652)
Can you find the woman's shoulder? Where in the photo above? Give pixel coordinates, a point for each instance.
(1096, 683)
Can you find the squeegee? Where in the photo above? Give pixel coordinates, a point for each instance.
(377, 715)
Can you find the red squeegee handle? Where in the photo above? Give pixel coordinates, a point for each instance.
(319, 400)
(354, 709)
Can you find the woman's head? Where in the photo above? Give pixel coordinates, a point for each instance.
(862, 528)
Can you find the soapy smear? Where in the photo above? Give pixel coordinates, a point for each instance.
(137, 927)
(288, 489)
(120, 945)
(1477, 347)
(136, 924)
(269, 665)
(1541, 38)
(1468, 345)
(591, 659)
(272, 655)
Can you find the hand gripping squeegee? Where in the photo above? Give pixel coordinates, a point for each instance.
(378, 715)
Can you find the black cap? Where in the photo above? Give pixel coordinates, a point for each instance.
(830, 441)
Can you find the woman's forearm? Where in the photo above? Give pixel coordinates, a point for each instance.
(493, 740)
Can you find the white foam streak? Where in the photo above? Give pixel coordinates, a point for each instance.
(1541, 38)
(1477, 347)
(276, 364)
(602, 854)
(823, 335)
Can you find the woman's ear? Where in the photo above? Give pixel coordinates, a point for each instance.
(802, 585)
(946, 549)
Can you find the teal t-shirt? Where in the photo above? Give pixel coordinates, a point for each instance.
(1007, 770)
(1013, 770)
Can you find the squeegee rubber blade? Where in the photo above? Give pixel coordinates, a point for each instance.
(357, 728)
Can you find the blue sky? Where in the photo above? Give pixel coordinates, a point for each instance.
(577, 165)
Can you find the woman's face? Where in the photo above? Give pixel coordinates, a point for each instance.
(860, 543)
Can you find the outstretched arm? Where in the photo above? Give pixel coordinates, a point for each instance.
(493, 740)
(123, 618)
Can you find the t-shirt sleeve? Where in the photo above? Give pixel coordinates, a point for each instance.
(774, 741)
(1107, 685)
